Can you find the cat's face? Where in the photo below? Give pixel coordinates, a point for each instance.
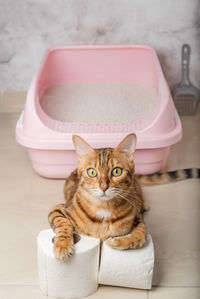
(105, 173)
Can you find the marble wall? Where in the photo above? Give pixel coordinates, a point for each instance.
(29, 27)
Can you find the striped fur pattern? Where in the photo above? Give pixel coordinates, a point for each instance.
(168, 177)
(105, 206)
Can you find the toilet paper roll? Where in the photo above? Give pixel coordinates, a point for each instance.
(127, 268)
(77, 277)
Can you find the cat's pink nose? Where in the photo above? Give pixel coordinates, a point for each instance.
(104, 187)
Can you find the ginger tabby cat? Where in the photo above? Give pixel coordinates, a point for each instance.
(103, 200)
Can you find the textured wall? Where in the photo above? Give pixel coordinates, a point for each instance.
(29, 27)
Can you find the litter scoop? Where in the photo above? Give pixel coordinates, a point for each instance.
(186, 96)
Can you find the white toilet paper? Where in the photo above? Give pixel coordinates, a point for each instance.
(77, 277)
(128, 268)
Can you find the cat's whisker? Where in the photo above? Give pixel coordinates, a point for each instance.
(128, 201)
(115, 190)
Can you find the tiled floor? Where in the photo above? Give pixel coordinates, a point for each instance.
(25, 199)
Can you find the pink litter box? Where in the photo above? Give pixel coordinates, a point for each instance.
(101, 93)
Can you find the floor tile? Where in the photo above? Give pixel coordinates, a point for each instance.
(25, 203)
(104, 292)
(174, 293)
(174, 222)
(21, 292)
(1, 102)
(13, 101)
(7, 129)
(15, 162)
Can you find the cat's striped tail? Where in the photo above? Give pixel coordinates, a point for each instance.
(168, 177)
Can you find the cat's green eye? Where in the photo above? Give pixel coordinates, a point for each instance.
(117, 171)
(91, 172)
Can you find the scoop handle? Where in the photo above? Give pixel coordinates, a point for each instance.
(185, 64)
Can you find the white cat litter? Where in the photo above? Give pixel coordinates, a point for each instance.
(99, 102)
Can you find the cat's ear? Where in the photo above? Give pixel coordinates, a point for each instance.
(82, 147)
(127, 145)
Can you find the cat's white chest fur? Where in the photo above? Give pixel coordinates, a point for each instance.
(105, 214)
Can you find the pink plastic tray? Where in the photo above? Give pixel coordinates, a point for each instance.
(49, 141)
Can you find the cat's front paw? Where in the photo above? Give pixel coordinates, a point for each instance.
(116, 243)
(126, 242)
(63, 249)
